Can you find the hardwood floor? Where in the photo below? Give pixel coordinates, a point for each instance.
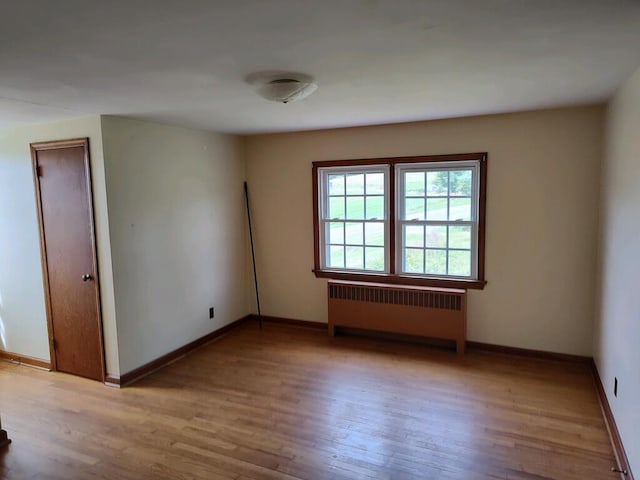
(293, 403)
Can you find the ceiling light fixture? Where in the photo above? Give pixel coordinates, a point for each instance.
(282, 87)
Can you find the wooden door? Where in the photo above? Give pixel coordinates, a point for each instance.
(65, 209)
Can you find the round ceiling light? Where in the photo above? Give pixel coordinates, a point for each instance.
(282, 87)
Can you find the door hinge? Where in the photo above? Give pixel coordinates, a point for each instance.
(39, 170)
(54, 343)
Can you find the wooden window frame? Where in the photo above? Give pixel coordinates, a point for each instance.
(326, 196)
(393, 277)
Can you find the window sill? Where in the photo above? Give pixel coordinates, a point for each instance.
(402, 280)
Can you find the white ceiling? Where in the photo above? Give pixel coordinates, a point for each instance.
(376, 61)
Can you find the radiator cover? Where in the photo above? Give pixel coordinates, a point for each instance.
(422, 311)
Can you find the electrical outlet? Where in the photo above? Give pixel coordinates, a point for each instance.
(211, 314)
(615, 386)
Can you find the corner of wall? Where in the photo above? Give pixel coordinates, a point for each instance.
(107, 292)
(616, 326)
(175, 202)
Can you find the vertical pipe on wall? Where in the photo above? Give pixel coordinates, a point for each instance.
(253, 254)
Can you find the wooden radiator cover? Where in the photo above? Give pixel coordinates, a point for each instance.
(423, 311)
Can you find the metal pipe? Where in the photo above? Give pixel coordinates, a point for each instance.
(253, 254)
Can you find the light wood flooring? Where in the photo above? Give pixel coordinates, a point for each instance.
(293, 403)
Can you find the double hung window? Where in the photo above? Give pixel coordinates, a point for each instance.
(355, 223)
(416, 220)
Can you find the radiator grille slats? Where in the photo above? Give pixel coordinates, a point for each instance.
(415, 298)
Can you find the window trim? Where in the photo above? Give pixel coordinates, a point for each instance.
(383, 168)
(400, 213)
(392, 277)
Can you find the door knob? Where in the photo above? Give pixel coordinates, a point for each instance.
(86, 277)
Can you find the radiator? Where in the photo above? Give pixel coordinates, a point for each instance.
(427, 312)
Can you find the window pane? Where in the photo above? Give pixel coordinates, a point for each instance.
(414, 236)
(355, 257)
(460, 237)
(374, 258)
(436, 237)
(375, 208)
(436, 208)
(414, 184)
(355, 207)
(414, 209)
(336, 232)
(355, 184)
(460, 209)
(460, 263)
(336, 207)
(413, 260)
(336, 257)
(375, 183)
(436, 262)
(354, 234)
(374, 234)
(460, 183)
(437, 183)
(336, 184)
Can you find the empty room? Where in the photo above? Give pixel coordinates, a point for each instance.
(304, 239)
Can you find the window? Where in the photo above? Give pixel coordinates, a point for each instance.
(354, 220)
(414, 220)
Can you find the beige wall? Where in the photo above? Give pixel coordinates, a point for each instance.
(175, 205)
(176, 210)
(541, 222)
(617, 332)
(177, 224)
(23, 322)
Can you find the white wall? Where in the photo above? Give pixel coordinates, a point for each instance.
(541, 222)
(177, 224)
(23, 323)
(617, 332)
